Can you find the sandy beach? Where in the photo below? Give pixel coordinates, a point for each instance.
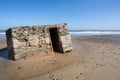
(93, 58)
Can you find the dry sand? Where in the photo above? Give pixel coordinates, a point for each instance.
(93, 58)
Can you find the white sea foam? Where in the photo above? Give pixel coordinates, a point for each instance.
(94, 33)
(89, 32)
(2, 33)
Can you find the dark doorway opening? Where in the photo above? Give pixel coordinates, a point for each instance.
(56, 43)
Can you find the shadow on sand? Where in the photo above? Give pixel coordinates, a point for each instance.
(4, 53)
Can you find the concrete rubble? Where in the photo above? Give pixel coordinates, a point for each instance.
(27, 41)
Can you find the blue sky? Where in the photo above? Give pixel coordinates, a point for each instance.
(79, 14)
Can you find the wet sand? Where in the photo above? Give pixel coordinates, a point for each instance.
(93, 58)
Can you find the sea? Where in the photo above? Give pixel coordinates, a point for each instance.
(74, 33)
(2, 35)
(94, 32)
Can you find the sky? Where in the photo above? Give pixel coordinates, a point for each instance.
(78, 14)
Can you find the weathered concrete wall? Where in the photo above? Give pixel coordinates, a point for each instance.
(27, 41)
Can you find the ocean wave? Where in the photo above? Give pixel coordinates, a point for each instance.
(94, 32)
(2, 33)
(86, 32)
